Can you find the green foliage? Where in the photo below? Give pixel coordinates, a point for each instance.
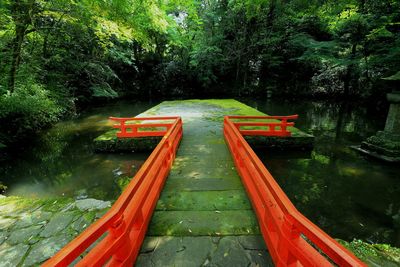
(394, 77)
(84, 51)
(374, 254)
(25, 112)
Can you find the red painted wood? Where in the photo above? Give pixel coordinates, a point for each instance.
(125, 224)
(268, 128)
(286, 231)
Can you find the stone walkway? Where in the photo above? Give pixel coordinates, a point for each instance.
(33, 230)
(203, 216)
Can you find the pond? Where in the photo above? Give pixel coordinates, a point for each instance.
(62, 162)
(346, 194)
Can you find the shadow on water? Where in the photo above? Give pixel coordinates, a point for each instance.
(346, 194)
(62, 162)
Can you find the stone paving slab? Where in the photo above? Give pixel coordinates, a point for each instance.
(204, 251)
(203, 172)
(204, 200)
(209, 184)
(198, 223)
(33, 230)
(181, 162)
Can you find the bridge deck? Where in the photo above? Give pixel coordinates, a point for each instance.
(203, 215)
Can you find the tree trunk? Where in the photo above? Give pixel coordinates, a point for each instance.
(16, 55)
(349, 71)
(271, 13)
(21, 14)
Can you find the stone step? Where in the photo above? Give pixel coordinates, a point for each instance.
(172, 200)
(210, 184)
(204, 251)
(203, 223)
(203, 172)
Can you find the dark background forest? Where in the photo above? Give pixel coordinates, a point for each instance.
(57, 57)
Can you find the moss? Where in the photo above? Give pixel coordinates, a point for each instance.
(108, 142)
(214, 110)
(374, 254)
(123, 182)
(203, 223)
(383, 145)
(3, 188)
(89, 216)
(383, 142)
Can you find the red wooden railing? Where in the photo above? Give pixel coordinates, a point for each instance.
(132, 130)
(271, 128)
(286, 231)
(124, 226)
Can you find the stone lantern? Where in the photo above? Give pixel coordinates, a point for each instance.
(385, 144)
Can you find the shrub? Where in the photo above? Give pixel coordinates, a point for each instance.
(25, 112)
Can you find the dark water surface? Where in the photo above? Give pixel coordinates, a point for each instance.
(346, 194)
(62, 162)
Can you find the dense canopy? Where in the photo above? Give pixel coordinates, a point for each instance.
(56, 55)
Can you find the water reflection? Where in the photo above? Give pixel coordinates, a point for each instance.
(346, 194)
(62, 162)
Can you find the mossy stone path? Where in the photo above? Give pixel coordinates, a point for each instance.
(33, 230)
(203, 216)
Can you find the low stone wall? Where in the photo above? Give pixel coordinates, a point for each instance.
(301, 141)
(108, 142)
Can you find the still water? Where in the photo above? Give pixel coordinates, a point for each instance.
(346, 194)
(62, 161)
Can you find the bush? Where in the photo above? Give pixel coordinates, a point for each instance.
(26, 112)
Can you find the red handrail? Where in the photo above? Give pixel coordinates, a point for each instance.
(273, 128)
(286, 231)
(124, 225)
(132, 130)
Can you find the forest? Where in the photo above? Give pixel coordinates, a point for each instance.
(57, 57)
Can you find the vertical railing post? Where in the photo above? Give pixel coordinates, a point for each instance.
(272, 128)
(289, 232)
(122, 128)
(116, 230)
(284, 127)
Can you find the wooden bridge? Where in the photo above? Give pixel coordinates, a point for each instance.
(203, 196)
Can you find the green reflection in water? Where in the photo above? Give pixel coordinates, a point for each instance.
(344, 193)
(62, 162)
